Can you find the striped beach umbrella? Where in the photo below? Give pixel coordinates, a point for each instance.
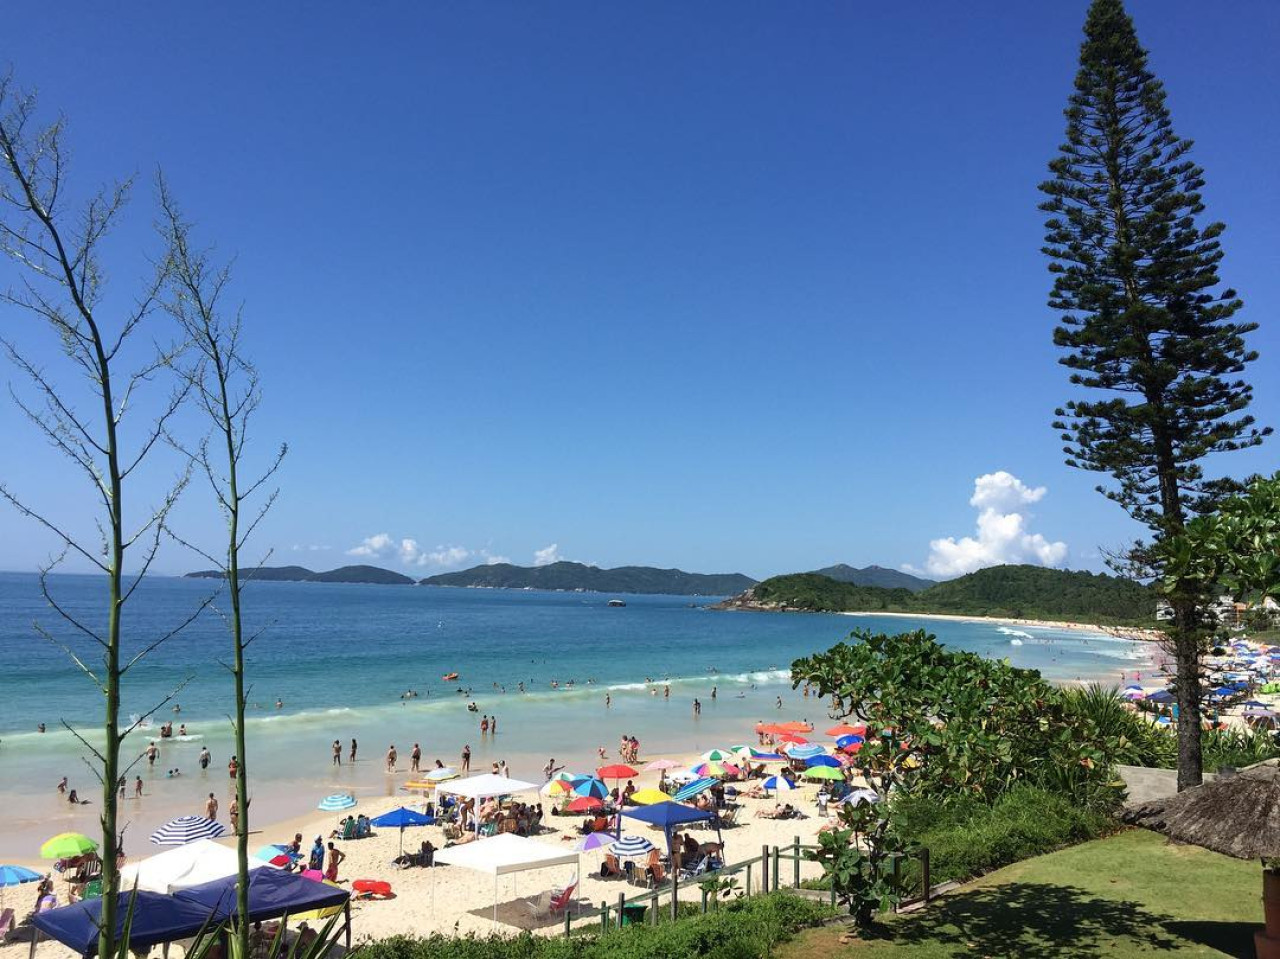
(695, 787)
(185, 829)
(596, 840)
(629, 846)
(716, 769)
(807, 751)
(441, 773)
(589, 786)
(718, 755)
(779, 784)
(336, 802)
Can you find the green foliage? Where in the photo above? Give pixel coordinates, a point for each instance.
(623, 579)
(1021, 592)
(1124, 736)
(1135, 278)
(857, 861)
(969, 837)
(1237, 748)
(746, 928)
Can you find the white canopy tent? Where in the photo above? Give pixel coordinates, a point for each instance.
(183, 866)
(505, 854)
(485, 786)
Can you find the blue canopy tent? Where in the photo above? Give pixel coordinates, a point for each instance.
(156, 919)
(667, 815)
(273, 893)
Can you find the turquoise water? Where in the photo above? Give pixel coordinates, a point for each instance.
(339, 657)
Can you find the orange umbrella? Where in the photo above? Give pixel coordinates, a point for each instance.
(616, 771)
(792, 738)
(584, 804)
(844, 729)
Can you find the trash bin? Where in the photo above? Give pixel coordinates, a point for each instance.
(633, 914)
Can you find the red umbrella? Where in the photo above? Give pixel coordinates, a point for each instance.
(584, 804)
(844, 729)
(616, 771)
(792, 738)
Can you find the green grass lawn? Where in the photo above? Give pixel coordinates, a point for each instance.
(1132, 894)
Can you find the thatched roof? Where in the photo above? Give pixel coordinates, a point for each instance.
(1236, 815)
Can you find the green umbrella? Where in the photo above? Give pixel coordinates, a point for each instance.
(823, 772)
(718, 756)
(67, 845)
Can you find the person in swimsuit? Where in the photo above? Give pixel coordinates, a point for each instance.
(337, 753)
(466, 758)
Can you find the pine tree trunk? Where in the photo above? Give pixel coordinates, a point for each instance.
(1186, 646)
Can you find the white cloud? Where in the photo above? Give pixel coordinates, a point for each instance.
(545, 557)
(312, 548)
(1001, 535)
(409, 552)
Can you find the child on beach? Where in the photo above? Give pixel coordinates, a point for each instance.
(336, 856)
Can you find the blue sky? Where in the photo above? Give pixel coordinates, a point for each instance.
(746, 287)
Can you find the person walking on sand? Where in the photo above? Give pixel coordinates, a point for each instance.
(137, 787)
(352, 758)
(336, 856)
(415, 758)
(211, 808)
(391, 758)
(466, 758)
(337, 753)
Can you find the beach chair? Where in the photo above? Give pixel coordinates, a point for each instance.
(699, 868)
(655, 873)
(6, 924)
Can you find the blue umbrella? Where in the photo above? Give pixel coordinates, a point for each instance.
(806, 751)
(780, 783)
(631, 846)
(849, 740)
(693, 788)
(589, 786)
(337, 801)
(399, 818)
(1161, 696)
(823, 761)
(16, 875)
(185, 829)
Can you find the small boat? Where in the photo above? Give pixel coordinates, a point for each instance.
(617, 602)
(449, 677)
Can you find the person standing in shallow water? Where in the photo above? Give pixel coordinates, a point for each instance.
(391, 758)
(466, 758)
(415, 758)
(337, 753)
(352, 757)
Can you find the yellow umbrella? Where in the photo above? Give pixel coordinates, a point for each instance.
(67, 845)
(646, 797)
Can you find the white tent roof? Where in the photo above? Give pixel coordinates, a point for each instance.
(484, 786)
(506, 853)
(183, 866)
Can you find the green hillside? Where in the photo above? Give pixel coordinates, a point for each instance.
(578, 576)
(300, 574)
(875, 576)
(1017, 592)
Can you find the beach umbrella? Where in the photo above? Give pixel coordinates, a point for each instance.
(793, 738)
(399, 819)
(185, 829)
(419, 784)
(643, 797)
(807, 751)
(585, 804)
(823, 772)
(859, 796)
(718, 755)
(694, 788)
(441, 773)
(555, 787)
(616, 771)
(814, 761)
(336, 802)
(596, 840)
(16, 875)
(589, 786)
(661, 765)
(716, 770)
(848, 740)
(779, 783)
(844, 729)
(768, 758)
(67, 845)
(1161, 696)
(629, 846)
(276, 855)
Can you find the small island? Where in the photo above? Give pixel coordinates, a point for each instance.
(579, 577)
(300, 574)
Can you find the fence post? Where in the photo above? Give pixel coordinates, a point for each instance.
(622, 911)
(764, 869)
(604, 916)
(924, 872)
(748, 879)
(654, 908)
(675, 892)
(777, 869)
(704, 902)
(568, 921)
(796, 850)
(897, 868)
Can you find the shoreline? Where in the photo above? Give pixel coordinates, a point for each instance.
(1138, 634)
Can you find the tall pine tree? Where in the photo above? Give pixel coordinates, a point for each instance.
(1137, 278)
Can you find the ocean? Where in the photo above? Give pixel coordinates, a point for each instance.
(339, 659)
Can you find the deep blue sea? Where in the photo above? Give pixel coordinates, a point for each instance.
(339, 657)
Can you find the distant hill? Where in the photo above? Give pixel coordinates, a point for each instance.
(1015, 592)
(578, 576)
(300, 574)
(875, 576)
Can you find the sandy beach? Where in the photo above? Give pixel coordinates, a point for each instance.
(449, 899)
(1128, 632)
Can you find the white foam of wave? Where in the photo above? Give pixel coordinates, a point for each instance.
(1008, 631)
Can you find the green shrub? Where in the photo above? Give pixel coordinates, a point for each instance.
(741, 929)
(968, 839)
(1236, 747)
